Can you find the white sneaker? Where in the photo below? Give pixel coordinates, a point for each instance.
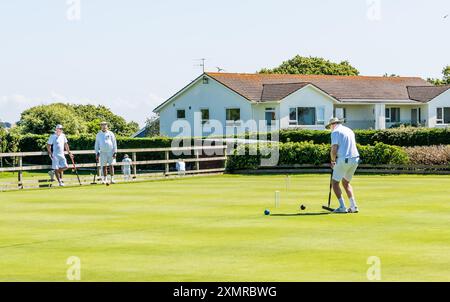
(113, 181)
(61, 184)
(353, 210)
(340, 210)
(103, 181)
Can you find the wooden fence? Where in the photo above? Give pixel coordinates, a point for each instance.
(21, 183)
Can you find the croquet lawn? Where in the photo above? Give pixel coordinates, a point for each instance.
(213, 229)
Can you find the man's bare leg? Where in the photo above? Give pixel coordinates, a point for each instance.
(349, 190)
(347, 187)
(338, 192)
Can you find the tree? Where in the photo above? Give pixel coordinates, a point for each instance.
(445, 79)
(312, 65)
(152, 126)
(76, 119)
(43, 119)
(93, 115)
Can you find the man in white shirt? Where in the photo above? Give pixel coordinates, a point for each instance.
(56, 145)
(344, 161)
(105, 150)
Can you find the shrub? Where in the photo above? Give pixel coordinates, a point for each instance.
(403, 136)
(249, 157)
(383, 154)
(429, 155)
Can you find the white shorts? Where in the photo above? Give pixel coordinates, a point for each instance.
(59, 161)
(345, 170)
(106, 159)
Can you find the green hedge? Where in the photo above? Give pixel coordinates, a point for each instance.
(30, 143)
(249, 157)
(406, 137)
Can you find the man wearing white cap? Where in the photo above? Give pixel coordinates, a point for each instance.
(344, 161)
(105, 151)
(56, 145)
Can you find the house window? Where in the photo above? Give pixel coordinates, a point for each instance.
(443, 115)
(270, 116)
(392, 115)
(340, 113)
(321, 116)
(205, 115)
(292, 116)
(306, 116)
(181, 113)
(233, 114)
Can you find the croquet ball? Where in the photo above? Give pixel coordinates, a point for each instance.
(107, 184)
(302, 207)
(266, 212)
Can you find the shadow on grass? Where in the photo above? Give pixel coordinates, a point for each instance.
(300, 214)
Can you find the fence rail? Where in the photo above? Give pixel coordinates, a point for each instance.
(210, 151)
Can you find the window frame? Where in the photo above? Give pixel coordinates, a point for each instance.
(315, 117)
(180, 109)
(318, 121)
(205, 121)
(442, 121)
(388, 117)
(232, 122)
(272, 111)
(293, 122)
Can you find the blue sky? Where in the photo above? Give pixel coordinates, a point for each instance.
(131, 55)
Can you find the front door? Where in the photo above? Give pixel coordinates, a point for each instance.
(415, 116)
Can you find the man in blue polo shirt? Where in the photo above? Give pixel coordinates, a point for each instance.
(344, 161)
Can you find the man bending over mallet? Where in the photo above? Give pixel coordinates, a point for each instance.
(344, 161)
(105, 151)
(56, 145)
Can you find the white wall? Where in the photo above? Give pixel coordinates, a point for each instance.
(214, 96)
(305, 97)
(442, 100)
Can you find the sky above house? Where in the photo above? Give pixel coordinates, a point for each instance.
(132, 55)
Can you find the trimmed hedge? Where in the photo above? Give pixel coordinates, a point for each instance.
(403, 136)
(30, 143)
(249, 157)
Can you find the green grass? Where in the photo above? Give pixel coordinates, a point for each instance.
(213, 229)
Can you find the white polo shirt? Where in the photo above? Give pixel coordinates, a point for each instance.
(344, 137)
(105, 142)
(58, 143)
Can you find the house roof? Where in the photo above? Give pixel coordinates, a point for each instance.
(426, 93)
(275, 92)
(253, 86)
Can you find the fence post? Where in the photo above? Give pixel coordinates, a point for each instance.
(133, 156)
(197, 163)
(167, 164)
(19, 175)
